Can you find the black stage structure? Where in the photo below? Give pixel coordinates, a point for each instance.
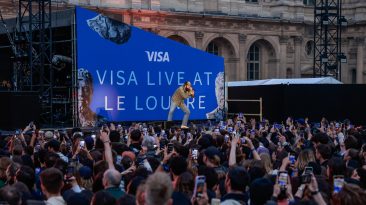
(328, 25)
(36, 50)
(333, 101)
(18, 109)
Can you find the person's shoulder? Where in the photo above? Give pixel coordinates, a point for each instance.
(180, 199)
(35, 202)
(231, 202)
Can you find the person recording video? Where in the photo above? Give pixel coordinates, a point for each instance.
(183, 92)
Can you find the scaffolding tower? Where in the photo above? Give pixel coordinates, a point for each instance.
(328, 23)
(34, 36)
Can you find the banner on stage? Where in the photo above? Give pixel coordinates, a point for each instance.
(128, 74)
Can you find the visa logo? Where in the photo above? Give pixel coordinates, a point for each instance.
(157, 56)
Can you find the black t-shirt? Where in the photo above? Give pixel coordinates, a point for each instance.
(180, 199)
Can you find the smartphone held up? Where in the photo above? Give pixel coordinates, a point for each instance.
(199, 186)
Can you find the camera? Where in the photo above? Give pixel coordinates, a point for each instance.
(278, 126)
(230, 129)
(195, 154)
(292, 159)
(306, 177)
(31, 125)
(199, 186)
(70, 172)
(170, 147)
(282, 179)
(338, 182)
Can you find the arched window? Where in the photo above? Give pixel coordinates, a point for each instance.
(253, 64)
(213, 48)
(353, 76)
(288, 73)
(309, 48)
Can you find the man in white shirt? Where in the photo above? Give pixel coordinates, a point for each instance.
(51, 185)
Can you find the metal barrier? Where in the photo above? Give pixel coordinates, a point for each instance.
(260, 114)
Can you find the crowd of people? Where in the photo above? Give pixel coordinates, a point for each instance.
(237, 161)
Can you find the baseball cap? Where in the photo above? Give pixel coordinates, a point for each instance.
(85, 172)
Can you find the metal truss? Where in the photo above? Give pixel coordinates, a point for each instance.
(328, 22)
(34, 36)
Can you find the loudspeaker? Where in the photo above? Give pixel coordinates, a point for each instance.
(17, 109)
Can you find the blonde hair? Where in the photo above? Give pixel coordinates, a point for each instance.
(304, 158)
(215, 160)
(87, 183)
(266, 159)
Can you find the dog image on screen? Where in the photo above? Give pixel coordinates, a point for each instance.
(110, 29)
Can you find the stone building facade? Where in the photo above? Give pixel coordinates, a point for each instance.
(259, 39)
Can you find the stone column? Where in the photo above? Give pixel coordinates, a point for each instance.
(360, 43)
(242, 72)
(281, 72)
(231, 73)
(199, 36)
(297, 68)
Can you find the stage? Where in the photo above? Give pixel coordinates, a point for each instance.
(333, 101)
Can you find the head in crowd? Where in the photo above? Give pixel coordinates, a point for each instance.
(136, 136)
(261, 191)
(237, 179)
(178, 165)
(185, 184)
(52, 182)
(211, 157)
(26, 175)
(323, 152)
(158, 189)
(4, 163)
(305, 156)
(350, 195)
(111, 178)
(11, 195)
